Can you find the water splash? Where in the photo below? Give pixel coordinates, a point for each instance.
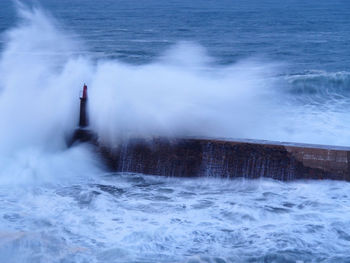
(181, 93)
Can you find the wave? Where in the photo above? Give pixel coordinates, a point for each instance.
(183, 92)
(320, 83)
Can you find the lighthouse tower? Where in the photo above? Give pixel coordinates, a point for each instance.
(83, 120)
(83, 133)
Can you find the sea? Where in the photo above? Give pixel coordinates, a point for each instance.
(248, 69)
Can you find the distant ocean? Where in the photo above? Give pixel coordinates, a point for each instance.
(275, 70)
(308, 35)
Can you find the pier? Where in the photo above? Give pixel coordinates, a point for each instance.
(228, 159)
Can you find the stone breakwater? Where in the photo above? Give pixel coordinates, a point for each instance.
(228, 159)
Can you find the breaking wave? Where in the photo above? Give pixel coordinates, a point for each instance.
(321, 85)
(181, 93)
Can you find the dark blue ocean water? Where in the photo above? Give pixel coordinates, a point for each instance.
(308, 35)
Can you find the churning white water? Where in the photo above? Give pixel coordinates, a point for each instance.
(57, 204)
(137, 218)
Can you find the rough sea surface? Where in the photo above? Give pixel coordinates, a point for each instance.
(275, 70)
(138, 218)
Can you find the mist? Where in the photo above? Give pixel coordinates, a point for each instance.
(183, 92)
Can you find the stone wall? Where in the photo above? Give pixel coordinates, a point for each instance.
(229, 159)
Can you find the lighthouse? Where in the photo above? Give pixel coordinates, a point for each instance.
(83, 119)
(82, 133)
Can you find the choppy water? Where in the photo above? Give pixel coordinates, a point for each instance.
(274, 70)
(137, 218)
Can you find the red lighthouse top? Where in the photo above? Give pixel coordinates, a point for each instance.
(84, 92)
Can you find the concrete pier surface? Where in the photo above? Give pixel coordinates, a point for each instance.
(195, 157)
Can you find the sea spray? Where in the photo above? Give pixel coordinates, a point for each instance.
(166, 99)
(183, 92)
(39, 83)
(39, 94)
